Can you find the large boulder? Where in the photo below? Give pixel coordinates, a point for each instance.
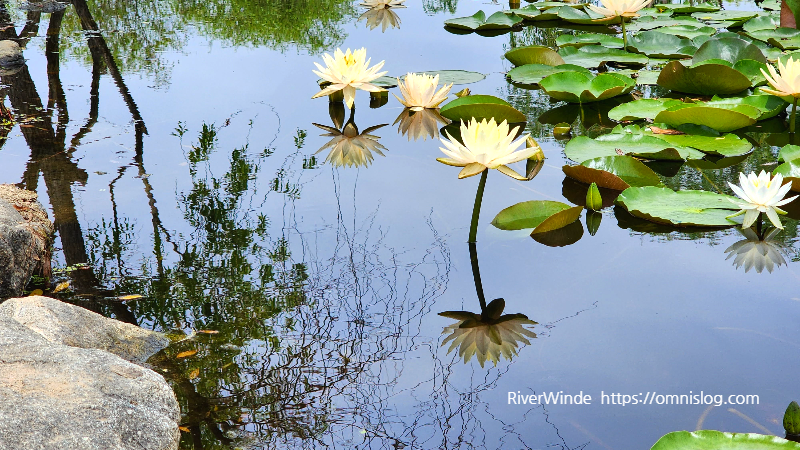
(25, 237)
(54, 397)
(66, 324)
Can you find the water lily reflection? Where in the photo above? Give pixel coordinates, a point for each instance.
(349, 147)
(756, 252)
(420, 124)
(489, 335)
(381, 13)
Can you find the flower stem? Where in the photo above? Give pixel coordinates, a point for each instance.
(476, 210)
(624, 36)
(476, 274)
(791, 118)
(759, 226)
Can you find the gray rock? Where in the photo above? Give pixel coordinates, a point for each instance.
(25, 236)
(55, 397)
(66, 324)
(10, 54)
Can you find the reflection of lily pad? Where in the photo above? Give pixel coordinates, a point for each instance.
(660, 45)
(534, 54)
(576, 87)
(561, 237)
(481, 107)
(479, 21)
(454, 76)
(589, 113)
(717, 440)
(613, 172)
(595, 55)
(580, 40)
(534, 73)
(681, 209)
(716, 163)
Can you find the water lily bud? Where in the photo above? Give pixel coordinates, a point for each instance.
(593, 199)
(531, 143)
(593, 219)
(791, 419)
(462, 93)
(562, 130)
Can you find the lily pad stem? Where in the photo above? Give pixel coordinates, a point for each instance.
(476, 210)
(791, 118)
(624, 36)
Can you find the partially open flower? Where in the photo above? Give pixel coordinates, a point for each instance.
(787, 82)
(487, 145)
(419, 91)
(754, 252)
(488, 338)
(347, 72)
(349, 147)
(621, 8)
(761, 194)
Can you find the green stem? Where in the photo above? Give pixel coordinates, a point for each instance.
(791, 119)
(624, 36)
(476, 274)
(476, 210)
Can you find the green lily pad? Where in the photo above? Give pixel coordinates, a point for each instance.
(641, 109)
(791, 172)
(534, 73)
(789, 153)
(534, 54)
(529, 12)
(481, 107)
(544, 6)
(587, 17)
(679, 8)
(613, 172)
(771, 5)
(454, 76)
(479, 21)
(703, 79)
(688, 31)
(660, 45)
(737, 17)
(776, 33)
(717, 440)
(727, 145)
(731, 49)
(582, 148)
(763, 22)
(719, 119)
(716, 163)
(647, 77)
(576, 87)
(558, 220)
(681, 209)
(785, 43)
(653, 22)
(580, 40)
(594, 55)
(528, 214)
(769, 105)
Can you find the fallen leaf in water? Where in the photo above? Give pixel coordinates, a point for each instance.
(184, 429)
(125, 298)
(61, 287)
(186, 354)
(208, 331)
(194, 374)
(36, 292)
(657, 130)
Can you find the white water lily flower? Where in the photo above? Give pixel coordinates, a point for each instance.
(487, 145)
(787, 82)
(754, 252)
(622, 8)
(419, 91)
(420, 124)
(486, 338)
(351, 148)
(347, 72)
(761, 195)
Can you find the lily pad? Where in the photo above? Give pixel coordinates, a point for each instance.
(679, 8)
(546, 5)
(647, 77)
(717, 440)
(561, 237)
(660, 45)
(735, 17)
(580, 40)
(479, 21)
(530, 12)
(534, 54)
(703, 79)
(785, 43)
(481, 107)
(647, 108)
(558, 220)
(720, 119)
(681, 209)
(587, 17)
(582, 148)
(613, 172)
(776, 33)
(653, 22)
(576, 87)
(731, 49)
(769, 105)
(727, 145)
(763, 22)
(534, 73)
(594, 55)
(454, 76)
(688, 31)
(789, 153)
(528, 214)
(791, 172)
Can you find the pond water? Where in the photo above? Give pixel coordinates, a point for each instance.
(173, 144)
